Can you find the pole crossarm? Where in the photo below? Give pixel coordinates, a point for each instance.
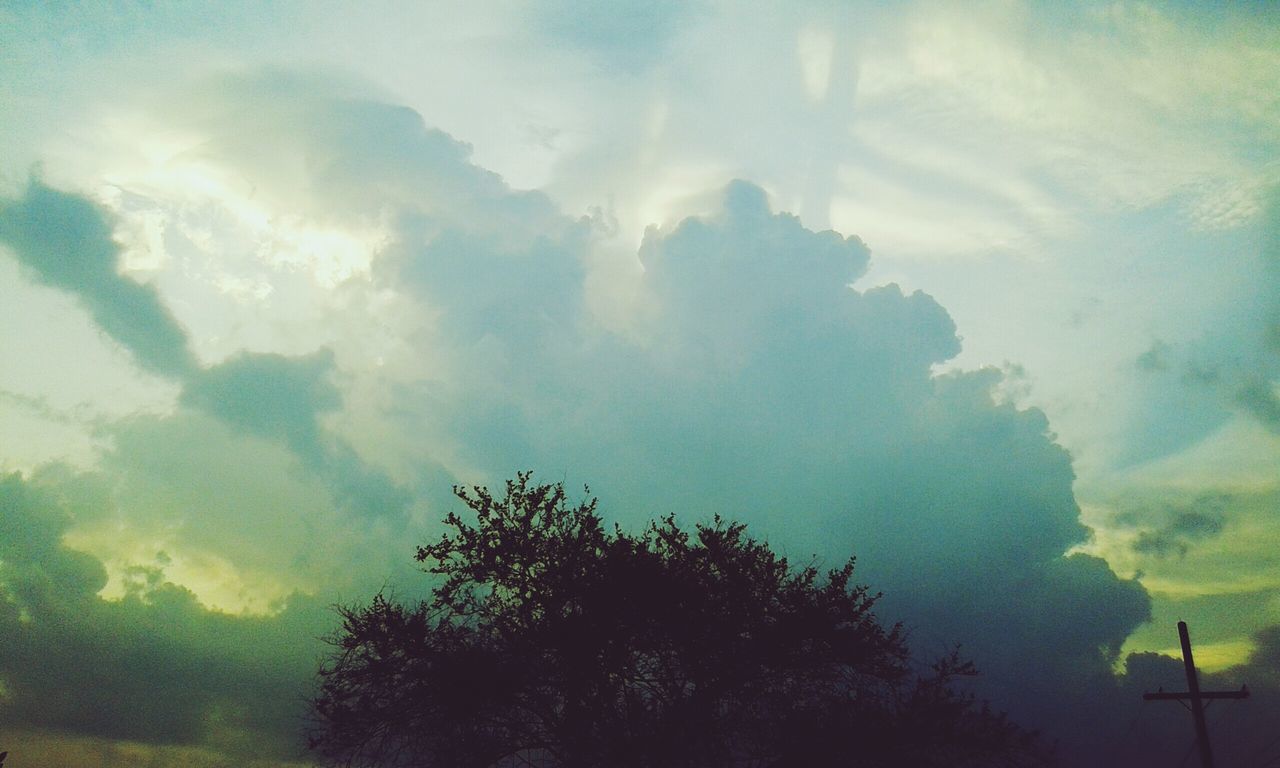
(1196, 696)
(1161, 695)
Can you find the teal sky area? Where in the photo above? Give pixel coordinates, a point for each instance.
(987, 294)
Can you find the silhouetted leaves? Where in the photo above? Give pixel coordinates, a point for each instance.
(550, 637)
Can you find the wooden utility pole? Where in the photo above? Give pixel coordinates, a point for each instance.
(1196, 697)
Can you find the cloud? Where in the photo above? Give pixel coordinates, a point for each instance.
(1159, 524)
(752, 380)
(283, 398)
(270, 395)
(1190, 509)
(243, 519)
(760, 385)
(1074, 91)
(1155, 358)
(1259, 397)
(65, 242)
(1179, 533)
(323, 145)
(484, 286)
(153, 665)
(1263, 666)
(32, 548)
(756, 383)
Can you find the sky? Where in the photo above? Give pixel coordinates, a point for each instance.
(986, 294)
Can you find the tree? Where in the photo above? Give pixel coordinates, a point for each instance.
(550, 639)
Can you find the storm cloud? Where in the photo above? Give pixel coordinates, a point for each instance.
(752, 381)
(65, 242)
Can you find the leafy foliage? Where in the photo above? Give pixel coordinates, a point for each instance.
(553, 640)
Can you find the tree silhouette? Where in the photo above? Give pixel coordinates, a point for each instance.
(554, 641)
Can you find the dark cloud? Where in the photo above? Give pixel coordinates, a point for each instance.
(1177, 536)
(270, 395)
(1155, 358)
(511, 293)
(1244, 731)
(1170, 523)
(1262, 670)
(761, 386)
(1259, 398)
(1185, 522)
(278, 397)
(154, 665)
(65, 242)
(31, 551)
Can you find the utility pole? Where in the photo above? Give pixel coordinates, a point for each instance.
(1196, 697)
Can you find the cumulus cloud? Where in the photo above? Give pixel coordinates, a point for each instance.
(65, 242)
(752, 381)
(760, 385)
